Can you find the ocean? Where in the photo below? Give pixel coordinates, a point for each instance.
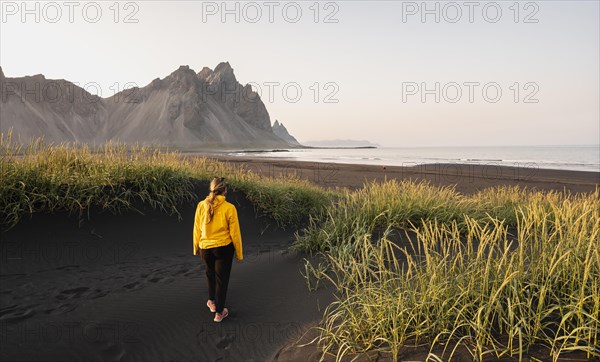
(578, 158)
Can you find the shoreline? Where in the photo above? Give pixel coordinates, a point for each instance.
(379, 163)
(468, 178)
(420, 156)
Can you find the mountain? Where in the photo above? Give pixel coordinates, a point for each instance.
(187, 109)
(282, 132)
(59, 110)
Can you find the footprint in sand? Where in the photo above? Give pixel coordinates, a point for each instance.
(8, 309)
(225, 342)
(195, 271)
(113, 352)
(98, 293)
(62, 297)
(15, 313)
(167, 280)
(75, 291)
(130, 286)
(180, 271)
(64, 308)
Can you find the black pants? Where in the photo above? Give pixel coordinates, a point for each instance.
(218, 267)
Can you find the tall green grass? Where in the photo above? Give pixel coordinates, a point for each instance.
(496, 272)
(375, 205)
(405, 203)
(42, 177)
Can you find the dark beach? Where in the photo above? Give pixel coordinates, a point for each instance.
(127, 287)
(468, 178)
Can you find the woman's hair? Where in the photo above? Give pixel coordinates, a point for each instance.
(217, 187)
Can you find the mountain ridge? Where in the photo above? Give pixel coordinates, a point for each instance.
(186, 109)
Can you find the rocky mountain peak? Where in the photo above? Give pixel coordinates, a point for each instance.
(224, 67)
(282, 132)
(205, 73)
(223, 74)
(182, 79)
(183, 71)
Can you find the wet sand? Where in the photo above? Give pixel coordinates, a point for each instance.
(467, 178)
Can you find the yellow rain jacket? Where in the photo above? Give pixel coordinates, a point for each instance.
(223, 229)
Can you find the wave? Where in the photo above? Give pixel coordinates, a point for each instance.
(481, 160)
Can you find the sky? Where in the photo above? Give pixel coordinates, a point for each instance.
(396, 73)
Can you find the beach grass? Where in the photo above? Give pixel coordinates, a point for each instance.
(75, 178)
(403, 204)
(495, 273)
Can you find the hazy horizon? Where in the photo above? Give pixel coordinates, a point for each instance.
(368, 60)
(469, 146)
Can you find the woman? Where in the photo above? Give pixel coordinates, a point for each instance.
(217, 237)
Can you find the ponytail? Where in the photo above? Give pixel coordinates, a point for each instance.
(217, 187)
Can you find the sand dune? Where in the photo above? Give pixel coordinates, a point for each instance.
(128, 288)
